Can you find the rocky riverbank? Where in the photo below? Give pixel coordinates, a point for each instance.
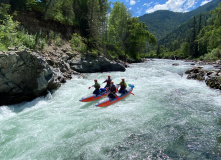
(25, 75)
(211, 77)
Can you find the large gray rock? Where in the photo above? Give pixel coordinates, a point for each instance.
(213, 79)
(196, 73)
(214, 82)
(91, 64)
(24, 76)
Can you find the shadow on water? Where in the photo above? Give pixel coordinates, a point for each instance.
(88, 104)
(24, 105)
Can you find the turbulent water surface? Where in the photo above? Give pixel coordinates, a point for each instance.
(169, 117)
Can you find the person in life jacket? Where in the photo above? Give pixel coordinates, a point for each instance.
(123, 86)
(97, 87)
(112, 90)
(108, 80)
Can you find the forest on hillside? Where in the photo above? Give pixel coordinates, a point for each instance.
(163, 22)
(197, 38)
(94, 26)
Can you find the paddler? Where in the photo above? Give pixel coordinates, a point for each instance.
(123, 86)
(108, 80)
(112, 90)
(97, 87)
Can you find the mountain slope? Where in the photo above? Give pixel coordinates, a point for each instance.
(182, 32)
(161, 23)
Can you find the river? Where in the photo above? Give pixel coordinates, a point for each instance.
(168, 117)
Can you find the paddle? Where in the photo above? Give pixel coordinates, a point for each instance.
(132, 86)
(117, 96)
(131, 93)
(90, 87)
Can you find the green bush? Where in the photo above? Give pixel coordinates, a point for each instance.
(77, 43)
(11, 35)
(214, 55)
(95, 52)
(8, 33)
(36, 41)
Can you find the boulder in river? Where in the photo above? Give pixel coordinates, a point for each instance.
(175, 64)
(23, 77)
(196, 73)
(214, 79)
(90, 64)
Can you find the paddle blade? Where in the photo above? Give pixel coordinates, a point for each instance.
(131, 93)
(117, 97)
(89, 87)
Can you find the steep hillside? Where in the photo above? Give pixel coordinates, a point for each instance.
(182, 32)
(161, 23)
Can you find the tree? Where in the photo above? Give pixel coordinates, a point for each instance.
(158, 50)
(192, 40)
(138, 36)
(22, 4)
(118, 18)
(59, 10)
(117, 28)
(126, 35)
(210, 36)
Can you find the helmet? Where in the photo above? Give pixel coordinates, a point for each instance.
(111, 82)
(95, 80)
(109, 76)
(122, 79)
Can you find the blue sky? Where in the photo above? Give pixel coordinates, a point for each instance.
(141, 7)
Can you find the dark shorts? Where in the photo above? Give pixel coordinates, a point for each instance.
(96, 91)
(122, 91)
(111, 95)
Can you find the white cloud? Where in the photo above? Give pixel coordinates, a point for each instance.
(173, 5)
(205, 2)
(189, 4)
(132, 2)
(147, 4)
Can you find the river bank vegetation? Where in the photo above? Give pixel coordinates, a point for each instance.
(89, 25)
(94, 26)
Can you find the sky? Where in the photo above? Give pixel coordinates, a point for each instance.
(141, 7)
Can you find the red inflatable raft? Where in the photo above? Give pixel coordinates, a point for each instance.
(108, 101)
(94, 97)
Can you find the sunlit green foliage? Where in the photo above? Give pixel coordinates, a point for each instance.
(138, 37)
(8, 32)
(78, 43)
(118, 34)
(61, 11)
(126, 35)
(214, 55)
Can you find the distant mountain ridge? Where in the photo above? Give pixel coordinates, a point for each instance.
(163, 22)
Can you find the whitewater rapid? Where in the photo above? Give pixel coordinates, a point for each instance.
(168, 117)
